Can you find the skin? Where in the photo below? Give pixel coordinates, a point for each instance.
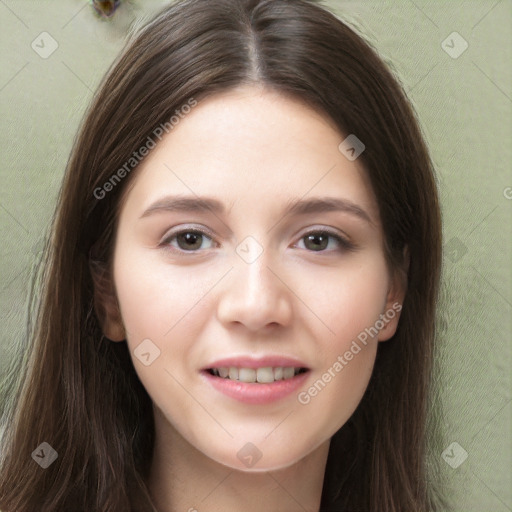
(254, 150)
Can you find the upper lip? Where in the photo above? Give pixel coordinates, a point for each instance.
(256, 362)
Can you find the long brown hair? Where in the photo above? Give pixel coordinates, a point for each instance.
(80, 393)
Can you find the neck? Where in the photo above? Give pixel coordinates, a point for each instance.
(184, 479)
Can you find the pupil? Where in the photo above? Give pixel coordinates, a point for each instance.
(319, 241)
(190, 240)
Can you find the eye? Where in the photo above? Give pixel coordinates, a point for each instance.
(194, 240)
(320, 240)
(189, 240)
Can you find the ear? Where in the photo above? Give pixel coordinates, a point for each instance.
(105, 302)
(394, 300)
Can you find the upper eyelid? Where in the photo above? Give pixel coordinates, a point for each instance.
(173, 232)
(205, 231)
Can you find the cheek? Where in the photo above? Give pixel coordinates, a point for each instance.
(347, 300)
(156, 297)
(336, 391)
(164, 304)
(169, 306)
(349, 304)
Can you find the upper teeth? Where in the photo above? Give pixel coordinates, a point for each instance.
(266, 374)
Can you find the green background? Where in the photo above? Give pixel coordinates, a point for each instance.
(464, 105)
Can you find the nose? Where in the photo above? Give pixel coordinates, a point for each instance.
(255, 296)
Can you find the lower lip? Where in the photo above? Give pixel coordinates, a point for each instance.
(255, 393)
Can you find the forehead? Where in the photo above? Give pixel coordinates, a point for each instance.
(255, 146)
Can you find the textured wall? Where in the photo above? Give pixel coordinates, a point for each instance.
(453, 58)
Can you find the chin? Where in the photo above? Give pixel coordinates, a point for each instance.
(251, 459)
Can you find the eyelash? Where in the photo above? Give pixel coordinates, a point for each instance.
(344, 244)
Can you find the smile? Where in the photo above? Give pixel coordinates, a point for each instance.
(263, 375)
(256, 380)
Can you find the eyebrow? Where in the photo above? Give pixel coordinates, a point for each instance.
(293, 207)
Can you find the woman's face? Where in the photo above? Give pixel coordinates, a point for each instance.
(249, 245)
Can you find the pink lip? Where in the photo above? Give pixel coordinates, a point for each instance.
(255, 393)
(253, 362)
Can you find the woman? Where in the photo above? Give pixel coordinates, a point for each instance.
(238, 300)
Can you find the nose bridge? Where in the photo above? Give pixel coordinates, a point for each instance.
(256, 285)
(251, 266)
(255, 279)
(254, 296)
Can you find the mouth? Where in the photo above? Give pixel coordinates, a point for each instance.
(256, 381)
(261, 375)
